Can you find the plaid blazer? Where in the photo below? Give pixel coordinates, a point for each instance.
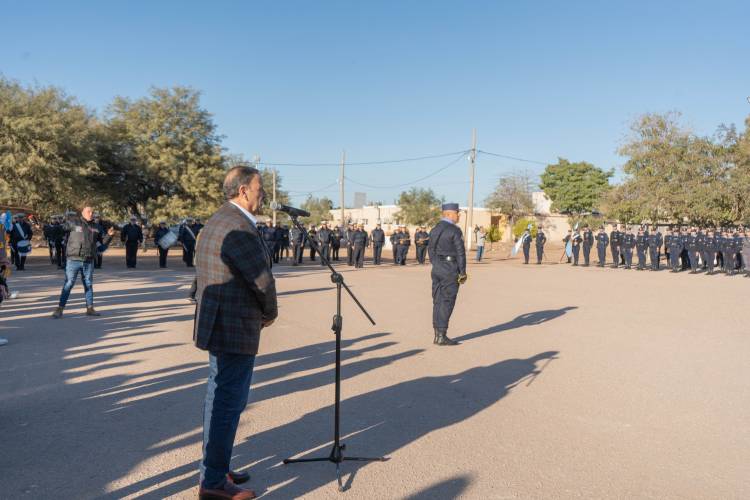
(236, 289)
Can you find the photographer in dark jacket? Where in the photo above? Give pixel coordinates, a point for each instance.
(83, 240)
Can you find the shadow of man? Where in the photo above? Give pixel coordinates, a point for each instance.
(527, 319)
(379, 423)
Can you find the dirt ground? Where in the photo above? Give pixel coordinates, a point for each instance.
(569, 383)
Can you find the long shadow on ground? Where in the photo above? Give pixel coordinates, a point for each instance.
(527, 319)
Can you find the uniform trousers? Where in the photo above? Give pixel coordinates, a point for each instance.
(615, 249)
(163, 252)
(526, 253)
(586, 254)
(297, 250)
(422, 251)
(539, 254)
(576, 252)
(325, 251)
(653, 255)
(131, 253)
(628, 257)
(335, 252)
(641, 258)
(444, 292)
(377, 252)
(359, 256)
(602, 251)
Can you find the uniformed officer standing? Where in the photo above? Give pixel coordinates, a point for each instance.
(404, 242)
(161, 232)
(99, 257)
(377, 236)
(654, 248)
(188, 238)
(335, 243)
(526, 244)
(47, 232)
(58, 238)
(360, 241)
(448, 259)
(738, 244)
(132, 236)
(421, 239)
(615, 239)
(394, 244)
(641, 244)
(297, 239)
(588, 243)
(675, 249)
(278, 242)
(285, 241)
(667, 243)
(709, 251)
(324, 241)
(575, 246)
(602, 241)
(314, 236)
(694, 242)
(627, 244)
(541, 240)
(350, 245)
(729, 253)
(20, 241)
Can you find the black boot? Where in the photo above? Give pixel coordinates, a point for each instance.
(437, 336)
(444, 340)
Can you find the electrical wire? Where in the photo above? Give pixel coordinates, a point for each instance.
(512, 157)
(336, 183)
(348, 164)
(444, 167)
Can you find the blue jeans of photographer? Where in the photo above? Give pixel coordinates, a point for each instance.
(480, 252)
(72, 268)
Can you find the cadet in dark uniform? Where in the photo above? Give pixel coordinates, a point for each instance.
(349, 245)
(278, 241)
(99, 258)
(526, 244)
(675, 249)
(588, 242)
(654, 248)
(615, 239)
(161, 231)
(377, 236)
(709, 251)
(314, 236)
(58, 239)
(285, 241)
(188, 238)
(47, 232)
(641, 244)
(694, 243)
(448, 259)
(404, 242)
(602, 241)
(394, 244)
(297, 239)
(684, 255)
(541, 239)
(575, 246)
(360, 241)
(628, 243)
(335, 243)
(132, 236)
(20, 241)
(738, 244)
(324, 241)
(729, 254)
(421, 239)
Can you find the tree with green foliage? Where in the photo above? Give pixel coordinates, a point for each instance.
(47, 148)
(574, 187)
(319, 208)
(418, 206)
(163, 157)
(521, 225)
(511, 197)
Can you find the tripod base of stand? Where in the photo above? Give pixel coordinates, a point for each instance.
(336, 457)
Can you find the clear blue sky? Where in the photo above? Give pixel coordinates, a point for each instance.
(300, 81)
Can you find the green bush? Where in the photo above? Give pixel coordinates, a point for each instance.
(494, 234)
(520, 226)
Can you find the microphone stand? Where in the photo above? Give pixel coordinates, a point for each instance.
(337, 452)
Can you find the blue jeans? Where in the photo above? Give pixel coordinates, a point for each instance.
(480, 252)
(229, 377)
(72, 268)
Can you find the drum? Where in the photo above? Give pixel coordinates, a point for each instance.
(24, 248)
(167, 240)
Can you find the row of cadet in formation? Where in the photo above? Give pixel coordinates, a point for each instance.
(697, 249)
(280, 240)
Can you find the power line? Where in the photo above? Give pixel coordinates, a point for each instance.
(512, 157)
(379, 162)
(444, 167)
(335, 183)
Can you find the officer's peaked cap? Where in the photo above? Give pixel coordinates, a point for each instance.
(450, 206)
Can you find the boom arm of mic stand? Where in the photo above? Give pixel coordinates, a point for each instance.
(336, 277)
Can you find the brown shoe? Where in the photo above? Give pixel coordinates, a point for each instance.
(90, 311)
(238, 477)
(229, 491)
(58, 313)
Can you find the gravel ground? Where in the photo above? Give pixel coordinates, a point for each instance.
(569, 383)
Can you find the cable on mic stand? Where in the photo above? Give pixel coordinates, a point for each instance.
(337, 452)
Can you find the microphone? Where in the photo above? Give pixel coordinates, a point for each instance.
(291, 211)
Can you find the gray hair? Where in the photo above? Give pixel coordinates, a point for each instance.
(237, 177)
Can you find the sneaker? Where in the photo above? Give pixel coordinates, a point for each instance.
(58, 313)
(90, 311)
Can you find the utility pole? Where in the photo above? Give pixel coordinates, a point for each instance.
(274, 196)
(341, 186)
(470, 208)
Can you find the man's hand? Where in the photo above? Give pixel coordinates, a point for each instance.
(267, 322)
(111, 231)
(462, 278)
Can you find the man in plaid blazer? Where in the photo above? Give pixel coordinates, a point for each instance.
(236, 299)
